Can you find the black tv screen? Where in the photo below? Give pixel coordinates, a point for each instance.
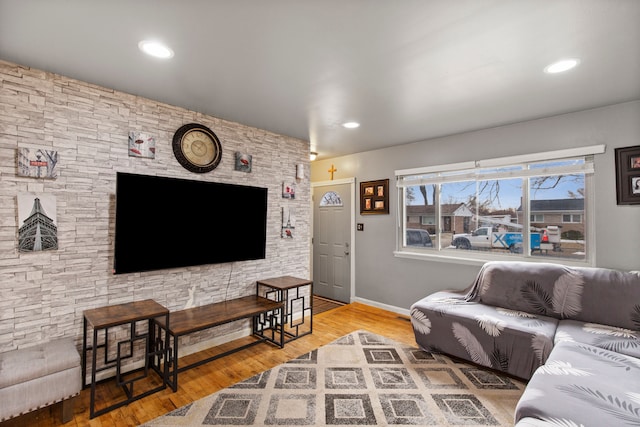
(167, 223)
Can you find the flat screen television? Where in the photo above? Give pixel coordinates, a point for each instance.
(168, 223)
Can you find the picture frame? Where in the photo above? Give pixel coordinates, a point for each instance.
(142, 144)
(628, 175)
(38, 219)
(374, 197)
(243, 162)
(288, 222)
(288, 190)
(37, 163)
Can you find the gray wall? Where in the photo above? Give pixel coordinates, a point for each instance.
(43, 294)
(397, 282)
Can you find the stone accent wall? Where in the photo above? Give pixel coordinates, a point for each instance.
(43, 294)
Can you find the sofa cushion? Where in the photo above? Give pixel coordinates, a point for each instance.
(620, 340)
(583, 385)
(579, 293)
(610, 297)
(523, 286)
(22, 365)
(511, 341)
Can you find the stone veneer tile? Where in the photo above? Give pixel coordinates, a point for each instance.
(89, 126)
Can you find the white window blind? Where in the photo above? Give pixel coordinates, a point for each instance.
(505, 167)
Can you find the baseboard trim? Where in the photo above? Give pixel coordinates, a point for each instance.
(387, 307)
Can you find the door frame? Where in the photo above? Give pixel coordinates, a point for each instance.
(352, 189)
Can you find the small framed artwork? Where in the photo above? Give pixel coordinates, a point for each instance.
(288, 190)
(142, 145)
(374, 197)
(37, 163)
(243, 162)
(288, 222)
(38, 221)
(628, 175)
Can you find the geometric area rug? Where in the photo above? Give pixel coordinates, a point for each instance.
(360, 379)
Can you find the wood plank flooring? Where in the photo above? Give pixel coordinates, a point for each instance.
(321, 304)
(211, 377)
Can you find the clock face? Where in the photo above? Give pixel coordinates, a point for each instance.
(197, 148)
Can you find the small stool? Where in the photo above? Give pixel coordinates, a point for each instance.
(38, 376)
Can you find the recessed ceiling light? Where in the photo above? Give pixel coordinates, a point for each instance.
(155, 49)
(351, 125)
(561, 66)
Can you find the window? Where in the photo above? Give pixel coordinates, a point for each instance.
(428, 220)
(482, 232)
(502, 208)
(572, 218)
(331, 198)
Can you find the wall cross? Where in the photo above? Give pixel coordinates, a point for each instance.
(332, 170)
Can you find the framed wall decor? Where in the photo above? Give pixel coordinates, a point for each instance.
(37, 216)
(142, 144)
(288, 222)
(243, 162)
(374, 197)
(628, 175)
(289, 190)
(37, 163)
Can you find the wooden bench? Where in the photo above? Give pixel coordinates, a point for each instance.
(266, 326)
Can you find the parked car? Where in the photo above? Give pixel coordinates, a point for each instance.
(418, 237)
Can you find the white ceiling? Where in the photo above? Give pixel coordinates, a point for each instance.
(407, 70)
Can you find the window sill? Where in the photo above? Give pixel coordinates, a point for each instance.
(480, 258)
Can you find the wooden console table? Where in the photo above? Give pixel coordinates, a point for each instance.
(103, 318)
(298, 305)
(263, 312)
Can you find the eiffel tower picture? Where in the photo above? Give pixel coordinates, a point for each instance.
(38, 231)
(288, 222)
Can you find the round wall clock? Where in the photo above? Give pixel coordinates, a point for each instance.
(197, 148)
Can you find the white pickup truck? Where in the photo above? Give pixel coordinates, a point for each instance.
(486, 238)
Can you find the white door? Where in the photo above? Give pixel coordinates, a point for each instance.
(332, 217)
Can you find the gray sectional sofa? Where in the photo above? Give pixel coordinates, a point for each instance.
(574, 333)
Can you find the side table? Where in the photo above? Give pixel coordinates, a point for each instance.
(297, 295)
(103, 318)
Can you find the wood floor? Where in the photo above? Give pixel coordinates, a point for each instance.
(320, 304)
(221, 373)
